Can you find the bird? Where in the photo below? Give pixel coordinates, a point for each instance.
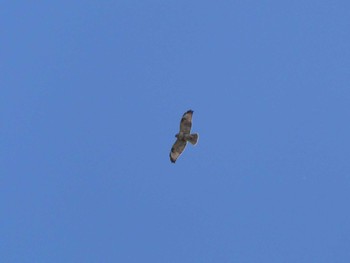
(183, 136)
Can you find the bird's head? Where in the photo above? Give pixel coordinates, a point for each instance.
(177, 135)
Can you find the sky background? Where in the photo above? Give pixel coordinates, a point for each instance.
(92, 93)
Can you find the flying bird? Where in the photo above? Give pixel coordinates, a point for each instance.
(183, 136)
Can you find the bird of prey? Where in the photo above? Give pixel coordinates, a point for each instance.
(183, 136)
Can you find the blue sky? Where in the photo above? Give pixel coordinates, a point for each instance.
(92, 93)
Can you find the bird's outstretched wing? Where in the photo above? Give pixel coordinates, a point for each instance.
(177, 149)
(186, 122)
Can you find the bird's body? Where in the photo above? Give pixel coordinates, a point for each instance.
(181, 136)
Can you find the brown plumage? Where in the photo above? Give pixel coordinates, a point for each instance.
(183, 136)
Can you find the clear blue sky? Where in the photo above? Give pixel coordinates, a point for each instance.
(92, 93)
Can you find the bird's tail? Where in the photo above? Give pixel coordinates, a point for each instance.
(193, 138)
